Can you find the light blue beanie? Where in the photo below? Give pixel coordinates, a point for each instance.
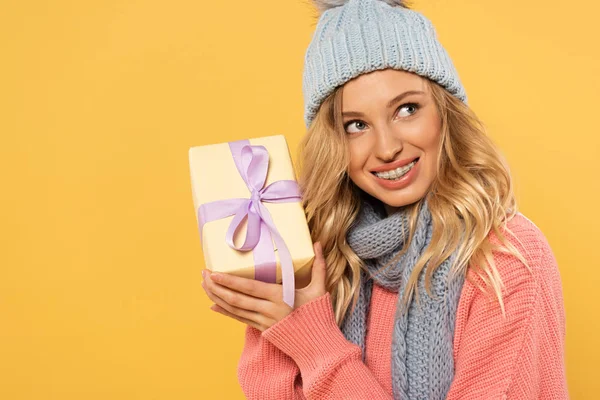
(354, 37)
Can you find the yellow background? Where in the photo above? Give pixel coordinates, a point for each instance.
(100, 259)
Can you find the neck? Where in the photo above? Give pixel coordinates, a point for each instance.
(390, 210)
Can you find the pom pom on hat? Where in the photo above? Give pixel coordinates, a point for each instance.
(324, 5)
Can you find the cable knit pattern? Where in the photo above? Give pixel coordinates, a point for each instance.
(422, 362)
(520, 357)
(367, 35)
(370, 243)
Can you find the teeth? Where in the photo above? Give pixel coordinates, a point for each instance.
(396, 173)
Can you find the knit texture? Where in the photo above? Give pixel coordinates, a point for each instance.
(422, 363)
(520, 357)
(367, 35)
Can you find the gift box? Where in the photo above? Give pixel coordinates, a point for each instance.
(249, 213)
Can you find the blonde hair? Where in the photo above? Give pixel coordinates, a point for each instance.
(472, 193)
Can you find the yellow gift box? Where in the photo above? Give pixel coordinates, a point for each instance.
(215, 177)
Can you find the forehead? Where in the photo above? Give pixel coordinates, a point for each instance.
(379, 87)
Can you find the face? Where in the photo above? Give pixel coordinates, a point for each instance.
(393, 130)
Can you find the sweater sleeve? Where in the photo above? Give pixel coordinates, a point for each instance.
(520, 356)
(265, 372)
(331, 366)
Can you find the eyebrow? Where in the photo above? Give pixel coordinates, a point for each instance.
(389, 104)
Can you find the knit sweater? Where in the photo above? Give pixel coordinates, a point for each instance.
(306, 356)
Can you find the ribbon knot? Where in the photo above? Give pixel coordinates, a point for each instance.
(256, 198)
(252, 163)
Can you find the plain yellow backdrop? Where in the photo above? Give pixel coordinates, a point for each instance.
(100, 259)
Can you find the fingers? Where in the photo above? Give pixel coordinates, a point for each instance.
(319, 254)
(319, 273)
(251, 287)
(236, 303)
(223, 311)
(238, 312)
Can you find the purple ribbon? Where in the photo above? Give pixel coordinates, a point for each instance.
(252, 163)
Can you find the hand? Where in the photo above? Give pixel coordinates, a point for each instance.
(260, 304)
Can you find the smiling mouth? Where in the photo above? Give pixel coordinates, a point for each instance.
(397, 173)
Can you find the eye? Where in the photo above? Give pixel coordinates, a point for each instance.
(409, 106)
(358, 123)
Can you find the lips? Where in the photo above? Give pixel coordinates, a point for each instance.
(394, 165)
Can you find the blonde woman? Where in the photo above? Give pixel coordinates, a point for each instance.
(427, 282)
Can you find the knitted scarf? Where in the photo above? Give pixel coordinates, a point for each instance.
(422, 346)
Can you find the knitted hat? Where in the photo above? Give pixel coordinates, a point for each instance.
(354, 37)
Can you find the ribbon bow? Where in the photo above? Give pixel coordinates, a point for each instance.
(252, 163)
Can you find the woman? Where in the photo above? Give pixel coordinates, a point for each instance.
(427, 282)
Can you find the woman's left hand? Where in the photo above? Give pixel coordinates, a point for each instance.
(260, 304)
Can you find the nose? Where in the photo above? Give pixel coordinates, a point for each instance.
(388, 144)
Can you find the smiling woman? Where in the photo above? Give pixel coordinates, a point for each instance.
(457, 171)
(393, 148)
(425, 256)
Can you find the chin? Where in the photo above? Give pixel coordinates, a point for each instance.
(400, 201)
(398, 198)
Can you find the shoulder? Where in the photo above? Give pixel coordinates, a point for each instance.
(512, 348)
(525, 235)
(531, 243)
(524, 289)
(539, 278)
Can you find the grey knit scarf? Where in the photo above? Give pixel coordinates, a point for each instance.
(422, 346)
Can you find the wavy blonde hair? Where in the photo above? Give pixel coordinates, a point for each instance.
(472, 193)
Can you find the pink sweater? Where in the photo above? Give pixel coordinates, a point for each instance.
(306, 356)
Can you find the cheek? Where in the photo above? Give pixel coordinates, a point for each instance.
(359, 154)
(426, 134)
(430, 148)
